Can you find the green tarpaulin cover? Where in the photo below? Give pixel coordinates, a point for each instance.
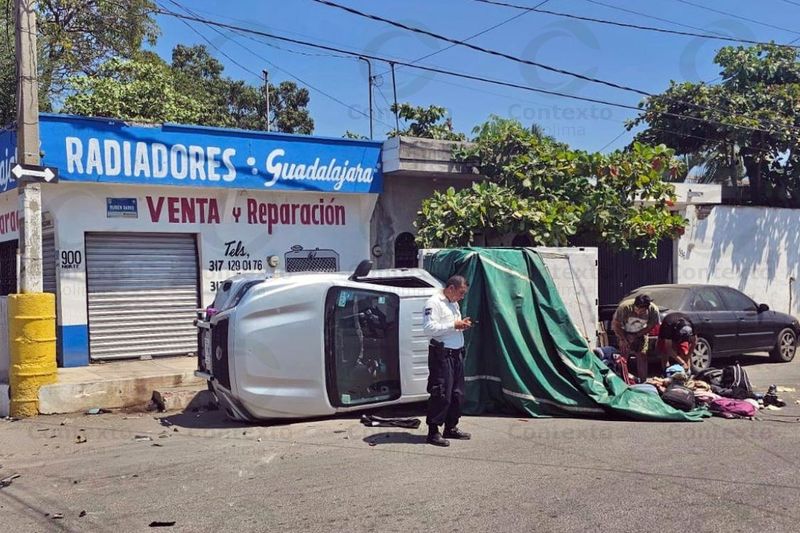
(525, 354)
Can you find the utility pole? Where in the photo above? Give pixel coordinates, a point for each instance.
(30, 194)
(369, 81)
(394, 90)
(266, 88)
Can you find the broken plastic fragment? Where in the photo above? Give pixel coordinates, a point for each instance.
(157, 523)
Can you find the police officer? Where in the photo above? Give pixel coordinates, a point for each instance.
(442, 322)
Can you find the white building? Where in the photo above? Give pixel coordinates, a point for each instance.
(146, 222)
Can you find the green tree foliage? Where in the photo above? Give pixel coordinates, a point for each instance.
(748, 119)
(192, 90)
(74, 37)
(429, 122)
(353, 135)
(556, 196)
(236, 104)
(140, 90)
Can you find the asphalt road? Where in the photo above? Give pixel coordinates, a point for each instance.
(208, 474)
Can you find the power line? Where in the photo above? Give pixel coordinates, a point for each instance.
(727, 14)
(463, 75)
(273, 65)
(624, 24)
(482, 49)
(513, 58)
(653, 17)
(487, 30)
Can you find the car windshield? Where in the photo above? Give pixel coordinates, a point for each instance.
(663, 297)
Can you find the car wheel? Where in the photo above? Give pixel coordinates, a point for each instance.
(701, 356)
(785, 346)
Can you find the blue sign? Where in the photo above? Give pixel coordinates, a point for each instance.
(8, 159)
(110, 151)
(122, 208)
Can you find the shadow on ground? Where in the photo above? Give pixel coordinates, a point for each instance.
(209, 416)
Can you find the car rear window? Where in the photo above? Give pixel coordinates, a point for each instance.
(664, 297)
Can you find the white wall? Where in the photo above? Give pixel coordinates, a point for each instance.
(753, 249)
(78, 208)
(574, 273)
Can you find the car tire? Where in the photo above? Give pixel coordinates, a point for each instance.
(701, 355)
(785, 346)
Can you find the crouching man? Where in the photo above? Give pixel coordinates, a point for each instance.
(631, 324)
(676, 340)
(442, 322)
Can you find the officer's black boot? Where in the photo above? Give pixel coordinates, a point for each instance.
(435, 438)
(455, 433)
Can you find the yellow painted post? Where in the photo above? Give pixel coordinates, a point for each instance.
(32, 343)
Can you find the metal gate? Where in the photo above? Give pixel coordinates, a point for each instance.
(621, 272)
(8, 267)
(142, 294)
(49, 258)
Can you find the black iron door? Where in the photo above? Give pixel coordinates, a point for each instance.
(621, 272)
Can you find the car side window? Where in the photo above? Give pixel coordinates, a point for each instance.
(737, 301)
(706, 299)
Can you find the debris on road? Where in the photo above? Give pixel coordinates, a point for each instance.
(6, 481)
(82, 514)
(80, 439)
(157, 523)
(97, 411)
(786, 389)
(57, 516)
(142, 437)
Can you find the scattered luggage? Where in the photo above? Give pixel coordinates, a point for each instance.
(679, 397)
(732, 408)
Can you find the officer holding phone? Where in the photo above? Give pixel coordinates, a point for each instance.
(442, 322)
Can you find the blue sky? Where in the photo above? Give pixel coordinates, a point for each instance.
(635, 58)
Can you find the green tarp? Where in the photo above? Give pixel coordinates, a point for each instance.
(525, 354)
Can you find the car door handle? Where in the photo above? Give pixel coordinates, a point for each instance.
(706, 320)
(741, 318)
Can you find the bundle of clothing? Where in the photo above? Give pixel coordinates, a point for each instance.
(726, 391)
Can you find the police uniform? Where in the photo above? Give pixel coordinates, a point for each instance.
(445, 362)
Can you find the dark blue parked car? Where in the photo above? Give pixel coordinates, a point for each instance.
(727, 322)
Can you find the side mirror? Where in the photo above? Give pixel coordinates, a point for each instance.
(762, 308)
(362, 270)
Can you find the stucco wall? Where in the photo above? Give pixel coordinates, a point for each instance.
(396, 209)
(238, 234)
(753, 249)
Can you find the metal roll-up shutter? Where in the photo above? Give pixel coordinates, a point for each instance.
(48, 260)
(8, 267)
(142, 294)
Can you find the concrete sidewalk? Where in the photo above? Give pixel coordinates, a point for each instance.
(116, 384)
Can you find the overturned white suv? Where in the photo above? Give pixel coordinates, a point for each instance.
(312, 344)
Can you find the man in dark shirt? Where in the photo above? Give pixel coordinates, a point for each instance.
(676, 340)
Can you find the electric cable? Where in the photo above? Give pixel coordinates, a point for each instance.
(625, 24)
(727, 14)
(273, 65)
(461, 75)
(507, 56)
